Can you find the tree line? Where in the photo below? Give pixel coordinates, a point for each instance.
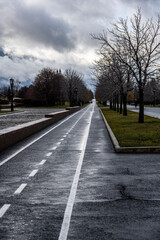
(51, 88)
(129, 62)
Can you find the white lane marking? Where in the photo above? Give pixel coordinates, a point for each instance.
(20, 189)
(4, 209)
(49, 154)
(29, 144)
(33, 173)
(42, 162)
(68, 211)
(54, 148)
(58, 143)
(61, 139)
(64, 136)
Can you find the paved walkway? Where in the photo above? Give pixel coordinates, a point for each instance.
(117, 197)
(24, 115)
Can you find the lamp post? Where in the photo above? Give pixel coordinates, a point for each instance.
(11, 86)
(76, 93)
(154, 91)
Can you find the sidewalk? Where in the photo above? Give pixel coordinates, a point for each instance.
(24, 115)
(118, 195)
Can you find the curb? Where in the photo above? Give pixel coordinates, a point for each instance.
(12, 135)
(119, 149)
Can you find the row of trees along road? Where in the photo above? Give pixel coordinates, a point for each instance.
(52, 88)
(129, 57)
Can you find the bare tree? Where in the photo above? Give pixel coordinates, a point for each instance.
(137, 45)
(77, 91)
(49, 86)
(114, 80)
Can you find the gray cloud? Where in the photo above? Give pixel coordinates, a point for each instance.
(37, 33)
(37, 26)
(149, 8)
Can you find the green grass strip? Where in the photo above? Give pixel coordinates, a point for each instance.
(130, 133)
(7, 112)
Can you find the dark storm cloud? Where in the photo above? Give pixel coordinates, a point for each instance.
(35, 25)
(2, 54)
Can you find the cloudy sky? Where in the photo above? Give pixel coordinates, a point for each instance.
(56, 33)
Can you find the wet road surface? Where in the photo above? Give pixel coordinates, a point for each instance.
(149, 111)
(69, 184)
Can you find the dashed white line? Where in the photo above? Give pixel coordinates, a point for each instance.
(61, 139)
(20, 189)
(33, 173)
(49, 154)
(64, 136)
(68, 211)
(58, 143)
(42, 162)
(4, 209)
(54, 148)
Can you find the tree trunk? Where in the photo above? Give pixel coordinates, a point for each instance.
(111, 107)
(124, 104)
(114, 103)
(121, 103)
(117, 99)
(141, 105)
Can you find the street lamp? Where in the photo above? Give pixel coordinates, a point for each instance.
(76, 93)
(154, 91)
(11, 94)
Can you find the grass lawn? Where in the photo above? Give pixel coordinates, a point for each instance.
(5, 112)
(130, 133)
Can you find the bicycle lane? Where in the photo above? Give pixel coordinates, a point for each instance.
(32, 205)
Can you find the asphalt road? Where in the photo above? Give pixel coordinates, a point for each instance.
(70, 184)
(149, 111)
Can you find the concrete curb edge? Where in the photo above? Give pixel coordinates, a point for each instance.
(119, 149)
(12, 135)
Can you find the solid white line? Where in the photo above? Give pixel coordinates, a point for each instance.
(68, 211)
(33, 173)
(29, 144)
(49, 154)
(42, 162)
(4, 209)
(20, 189)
